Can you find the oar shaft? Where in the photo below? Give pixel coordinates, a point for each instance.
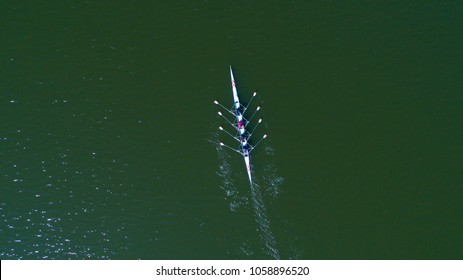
(260, 120)
(226, 146)
(220, 114)
(223, 107)
(253, 147)
(257, 109)
(247, 106)
(234, 137)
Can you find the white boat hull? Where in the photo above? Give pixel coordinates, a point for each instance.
(236, 100)
(241, 131)
(248, 168)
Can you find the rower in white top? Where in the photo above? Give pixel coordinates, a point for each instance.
(240, 123)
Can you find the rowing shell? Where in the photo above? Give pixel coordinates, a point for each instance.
(240, 128)
(239, 125)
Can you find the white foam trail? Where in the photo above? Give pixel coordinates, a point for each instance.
(260, 213)
(236, 200)
(270, 189)
(272, 180)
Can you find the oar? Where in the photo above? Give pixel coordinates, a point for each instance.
(255, 93)
(230, 111)
(257, 109)
(234, 137)
(220, 114)
(235, 150)
(252, 148)
(258, 122)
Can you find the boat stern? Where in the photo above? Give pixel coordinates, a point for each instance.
(248, 167)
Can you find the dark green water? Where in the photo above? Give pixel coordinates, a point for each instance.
(107, 130)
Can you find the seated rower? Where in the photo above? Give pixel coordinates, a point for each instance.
(240, 125)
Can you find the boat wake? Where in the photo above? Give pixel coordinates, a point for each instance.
(236, 200)
(270, 190)
(260, 215)
(233, 197)
(270, 174)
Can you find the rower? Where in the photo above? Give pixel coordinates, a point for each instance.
(239, 116)
(242, 131)
(245, 152)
